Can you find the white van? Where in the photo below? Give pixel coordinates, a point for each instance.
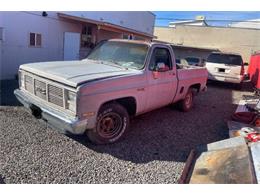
(225, 67)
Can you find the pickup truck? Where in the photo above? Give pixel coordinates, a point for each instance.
(97, 96)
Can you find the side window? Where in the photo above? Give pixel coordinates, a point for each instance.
(160, 55)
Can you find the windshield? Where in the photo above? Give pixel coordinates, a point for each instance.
(225, 59)
(127, 55)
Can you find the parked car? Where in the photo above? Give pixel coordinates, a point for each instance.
(226, 67)
(181, 61)
(97, 95)
(195, 61)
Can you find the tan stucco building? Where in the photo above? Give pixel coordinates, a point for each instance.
(238, 40)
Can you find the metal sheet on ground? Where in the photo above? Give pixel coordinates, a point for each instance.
(226, 143)
(255, 151)
(226, 166)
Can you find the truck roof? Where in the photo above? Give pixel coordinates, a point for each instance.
(149, 43)
(226, 53)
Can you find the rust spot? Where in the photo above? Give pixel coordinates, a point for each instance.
(202, 171)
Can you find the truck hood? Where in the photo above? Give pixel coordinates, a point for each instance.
(74, 73)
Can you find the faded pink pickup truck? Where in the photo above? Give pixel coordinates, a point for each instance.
(97, 95)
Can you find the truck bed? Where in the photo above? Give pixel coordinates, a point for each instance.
(190, 76)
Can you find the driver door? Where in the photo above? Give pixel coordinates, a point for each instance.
(162, 80)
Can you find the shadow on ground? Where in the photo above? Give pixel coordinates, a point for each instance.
(165, 134)
(7, 97)
(168, 134)
(245, 86)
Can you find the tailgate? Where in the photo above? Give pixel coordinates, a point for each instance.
(223, 69)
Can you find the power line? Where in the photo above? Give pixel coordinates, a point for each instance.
(208, 20)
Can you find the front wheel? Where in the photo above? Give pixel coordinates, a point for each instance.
(187, 103)
(112, 123)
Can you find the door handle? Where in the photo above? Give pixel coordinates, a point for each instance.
(140, 89)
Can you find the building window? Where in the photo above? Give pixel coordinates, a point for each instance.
(87, 37)
(128, 36)
(35, 40)
(125, 36)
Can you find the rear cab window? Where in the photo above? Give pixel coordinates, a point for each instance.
(192, 60)
(228, 59)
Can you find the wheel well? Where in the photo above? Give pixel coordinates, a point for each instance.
(129, 103)
(196, 86)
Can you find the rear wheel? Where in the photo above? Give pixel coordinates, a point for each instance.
(112, 123)
(187, 103)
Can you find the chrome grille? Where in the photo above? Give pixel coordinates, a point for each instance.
(55, 95)
(44, 90)
(40, 89)
(28, 83)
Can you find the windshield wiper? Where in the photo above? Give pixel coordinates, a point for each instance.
(109, 62)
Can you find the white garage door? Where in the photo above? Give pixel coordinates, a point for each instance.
(71, 46)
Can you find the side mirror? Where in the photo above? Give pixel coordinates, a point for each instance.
(245, 64)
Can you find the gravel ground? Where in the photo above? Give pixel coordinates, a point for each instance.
(154, 151)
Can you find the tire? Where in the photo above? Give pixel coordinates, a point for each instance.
(186, 104)
(112, 124)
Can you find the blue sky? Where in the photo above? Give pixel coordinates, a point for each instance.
(214, 15)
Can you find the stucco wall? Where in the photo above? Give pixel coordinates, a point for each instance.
(183, 53)
(104, 35)
(243, 41)
(16, 49)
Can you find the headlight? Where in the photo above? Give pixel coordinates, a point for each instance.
(71, 101)
(21, 78)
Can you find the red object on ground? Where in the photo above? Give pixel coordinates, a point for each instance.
(253, 137)
(254, 69)
(244, 117)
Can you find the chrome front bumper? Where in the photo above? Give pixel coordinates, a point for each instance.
(55, 118)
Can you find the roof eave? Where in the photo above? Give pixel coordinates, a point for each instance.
(105, 24)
